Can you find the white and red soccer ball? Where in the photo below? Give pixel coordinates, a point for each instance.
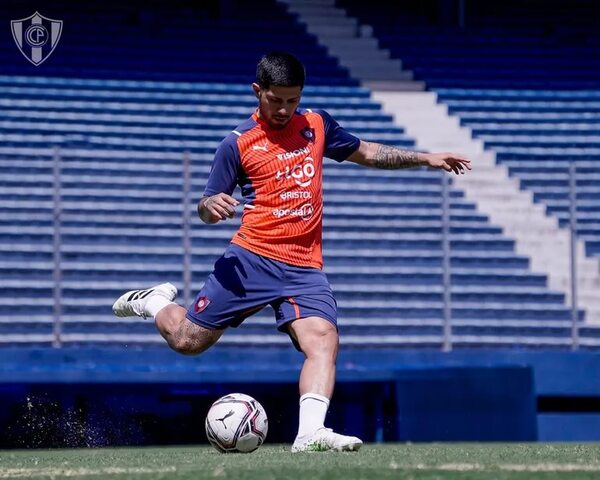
(236, 423)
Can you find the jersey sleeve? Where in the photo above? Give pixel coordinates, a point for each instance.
(224, 171)
(339, 143)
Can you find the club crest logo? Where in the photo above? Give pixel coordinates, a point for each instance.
(36, 36)
(201, 304)
(308, 134)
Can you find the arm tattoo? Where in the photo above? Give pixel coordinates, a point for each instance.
(390, 158)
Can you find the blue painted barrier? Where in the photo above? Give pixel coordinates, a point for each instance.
(381, 395)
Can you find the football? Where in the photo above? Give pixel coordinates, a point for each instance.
(236, 423)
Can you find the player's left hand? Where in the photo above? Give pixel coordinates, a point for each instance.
(449, 162)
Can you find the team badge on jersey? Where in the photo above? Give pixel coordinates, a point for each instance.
(201, 304)
(308, 134)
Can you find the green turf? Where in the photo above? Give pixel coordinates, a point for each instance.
(373, 462)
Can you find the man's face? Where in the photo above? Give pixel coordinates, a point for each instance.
(276, 105)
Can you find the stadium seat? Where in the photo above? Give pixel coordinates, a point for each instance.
(122, 129)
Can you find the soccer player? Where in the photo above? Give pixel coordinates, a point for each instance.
(274, 258)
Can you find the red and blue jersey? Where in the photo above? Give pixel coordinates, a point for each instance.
(280, 175)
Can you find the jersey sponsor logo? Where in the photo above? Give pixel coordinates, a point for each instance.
(264, 148)
(201, 304)
(295, 195)
(305, 212)
(302, 173)
(296, 153)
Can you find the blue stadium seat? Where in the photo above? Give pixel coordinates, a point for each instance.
(123, 127)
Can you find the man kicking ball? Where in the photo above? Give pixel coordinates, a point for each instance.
(275, 258)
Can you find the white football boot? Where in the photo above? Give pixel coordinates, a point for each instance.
(325, 439)
(133, 303)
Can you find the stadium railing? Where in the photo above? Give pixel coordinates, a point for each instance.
(186, 238)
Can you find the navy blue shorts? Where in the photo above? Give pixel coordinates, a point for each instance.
(243, 283)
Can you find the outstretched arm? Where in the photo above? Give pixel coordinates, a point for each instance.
(385, 157)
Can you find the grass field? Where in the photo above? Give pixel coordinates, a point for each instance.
(373, 462)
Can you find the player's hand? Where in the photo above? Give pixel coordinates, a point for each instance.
(449, 162)
(220, 207)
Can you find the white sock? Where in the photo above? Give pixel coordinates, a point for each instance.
(156, 303)
(313, 408)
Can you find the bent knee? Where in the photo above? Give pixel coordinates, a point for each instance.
(187, 347)
(195, 340)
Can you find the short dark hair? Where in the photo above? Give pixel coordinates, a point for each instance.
(281, 69)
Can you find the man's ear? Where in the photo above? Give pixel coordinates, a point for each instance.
(256, 88)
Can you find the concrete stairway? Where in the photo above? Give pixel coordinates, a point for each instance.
(499, 196)
(353, 45)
